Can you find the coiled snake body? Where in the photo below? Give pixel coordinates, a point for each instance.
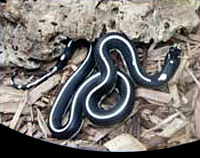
(82, 94)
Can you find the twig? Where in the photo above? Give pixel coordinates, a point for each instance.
(160, 125)
(174, 93)
(193, 76)
(19, 111)
(42, 124)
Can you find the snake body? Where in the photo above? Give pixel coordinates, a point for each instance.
(83, 93)
(130, 58)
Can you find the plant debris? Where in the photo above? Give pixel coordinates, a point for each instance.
(161, 118)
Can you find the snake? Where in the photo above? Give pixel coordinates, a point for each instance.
(84, 91)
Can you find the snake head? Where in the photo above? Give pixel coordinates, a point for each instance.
(174, 53)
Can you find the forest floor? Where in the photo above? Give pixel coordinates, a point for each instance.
(161, 118)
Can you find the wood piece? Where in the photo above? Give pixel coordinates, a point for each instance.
(155, 142)
(193, 76)
(10, 91)
(197, 117)
(125, 142)
(30, 122)
(83, 145)
(19, 112)
(96, 134)
(10, 99)
(43, 88)
(11, 108)
(172, 128)
(42, 124)
(148, 116)
(91, 146)
(174, 93)
(190, 95)
(151, 132)
(154, 95)
(79, 56)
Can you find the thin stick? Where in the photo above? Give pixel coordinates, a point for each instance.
(19, 111)
(193, 76)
